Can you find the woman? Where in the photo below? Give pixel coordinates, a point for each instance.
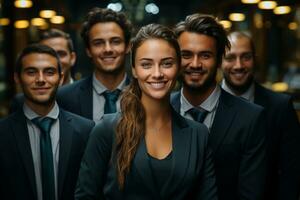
(148, 151)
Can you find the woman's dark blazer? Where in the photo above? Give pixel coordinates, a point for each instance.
(192, 172)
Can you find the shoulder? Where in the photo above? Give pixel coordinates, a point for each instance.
(16, 119)
(175, 95)
(274, 98)
(76, 120)
(106, 127)
(241, 104)
(74, 86)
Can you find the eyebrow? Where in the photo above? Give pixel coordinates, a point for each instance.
(163, 59)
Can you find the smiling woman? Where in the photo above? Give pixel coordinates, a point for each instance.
(154, 153)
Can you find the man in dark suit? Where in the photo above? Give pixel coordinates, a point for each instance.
(41, 145)
(236, 127)
(283, 132)
(106, 34)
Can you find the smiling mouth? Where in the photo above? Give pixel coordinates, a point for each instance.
(41, 90)
(238, 75)
(158, 85)
(108, 59)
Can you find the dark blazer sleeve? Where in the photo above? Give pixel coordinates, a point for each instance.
(289, 158)
(93, 169)
(252, 170)
(16, 103)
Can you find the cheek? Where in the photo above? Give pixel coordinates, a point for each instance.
(184, 62)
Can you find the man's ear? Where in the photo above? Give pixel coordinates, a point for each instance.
(128, 48)
(62, 77)
(17, 78)
(88, 53)
(73, 58)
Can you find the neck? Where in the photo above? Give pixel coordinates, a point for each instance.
(197, 96)
(67, 79)
(157, 111)
(40, 109)
(238, 91)
(110, 80)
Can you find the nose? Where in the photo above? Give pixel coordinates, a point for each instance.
(195, 61)
(107, 46)
(40, 77)
(238, 63)
(157, 72)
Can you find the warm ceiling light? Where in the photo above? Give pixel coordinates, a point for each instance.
(280, 87)
(250, 1)
(226, 24)
(57, 19)
(281, 10)
(47, 13)
(38, 21)
(4, 21)
(21, 24)
(267, 5)
(23, 3)
(237, 17)
(293, 26)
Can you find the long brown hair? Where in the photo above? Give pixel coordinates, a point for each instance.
(131, 127)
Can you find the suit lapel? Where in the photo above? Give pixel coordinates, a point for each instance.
(65, 140)
(175, 101)
(181, 150)
(20, 131)
(223, 120)
(86, 98)
(259, 97)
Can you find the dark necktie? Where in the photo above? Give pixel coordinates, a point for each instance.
(111, 98)
(198, 115)
(48, 185)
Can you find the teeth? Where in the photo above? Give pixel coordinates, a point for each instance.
(157, 85)
(239, 74)
(108, 59)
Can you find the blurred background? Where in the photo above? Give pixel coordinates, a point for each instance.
(274, 25)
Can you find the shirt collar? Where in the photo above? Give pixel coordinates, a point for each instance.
(30, 114)
(100, 88)
(248, 95)
(209, 104)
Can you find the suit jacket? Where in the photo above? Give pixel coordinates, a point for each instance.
(192, 174)
(283, 145)
(78, 97)
(16, 163)
(237, 138)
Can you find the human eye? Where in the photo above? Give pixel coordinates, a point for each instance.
(61, 54)
(247, 57)
(97, 42)
(146, 65)
(116, 41)
(50, 71)
(186, 55)
(167, 63)
(30, 71)
(229, 58)
(205, 55)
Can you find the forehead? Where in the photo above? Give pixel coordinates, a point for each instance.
(57, 43)
(155, 49)
(190, 41)
(240, 45)
(39, 60)
(105, 30)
